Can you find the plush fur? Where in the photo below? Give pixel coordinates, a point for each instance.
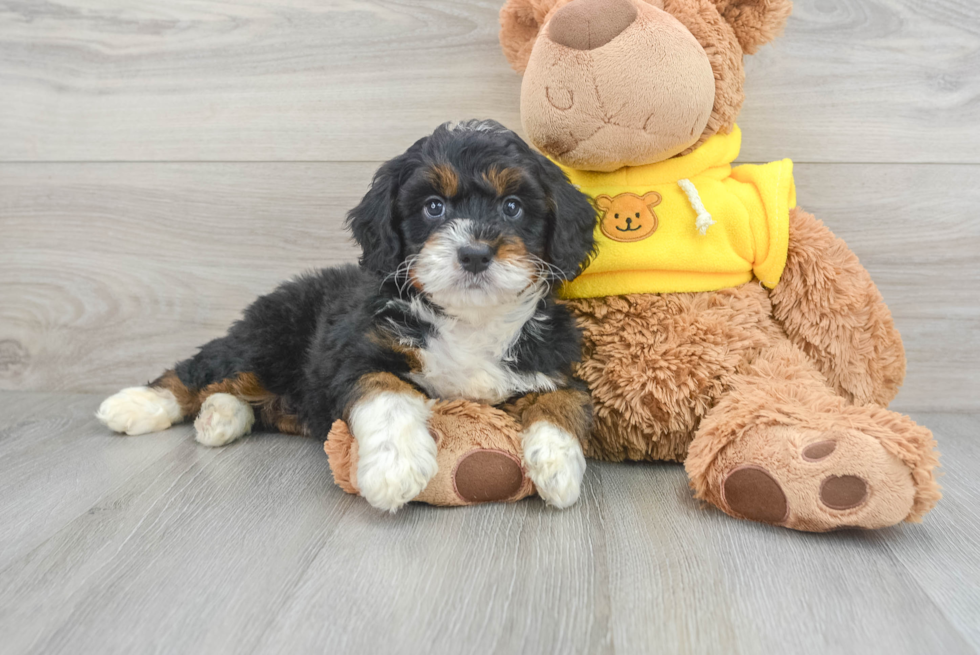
(571, 103)
(478, 449)
(464, 239)
(774, 399)
(849, 334)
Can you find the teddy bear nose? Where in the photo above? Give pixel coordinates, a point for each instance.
(588, 24)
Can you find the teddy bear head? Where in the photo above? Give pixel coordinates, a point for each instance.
(613, 83)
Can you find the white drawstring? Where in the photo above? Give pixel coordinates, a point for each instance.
(704, 218)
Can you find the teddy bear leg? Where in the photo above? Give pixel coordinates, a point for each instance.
(782, 448)
(477, 448)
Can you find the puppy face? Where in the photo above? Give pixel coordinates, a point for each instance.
(471, 216)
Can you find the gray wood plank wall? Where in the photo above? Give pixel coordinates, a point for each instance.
(163, 163)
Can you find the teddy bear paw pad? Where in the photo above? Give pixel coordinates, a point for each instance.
(752, 492)
(483, 476)
(819, 481)
(843, 492)
(820, 450)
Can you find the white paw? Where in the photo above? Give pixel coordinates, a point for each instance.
(396, 454)
(222, 419)
(139, 410)
(555, 463)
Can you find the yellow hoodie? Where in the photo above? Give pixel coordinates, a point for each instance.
(691, 223)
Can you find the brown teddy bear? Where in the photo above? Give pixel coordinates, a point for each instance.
(723, 326)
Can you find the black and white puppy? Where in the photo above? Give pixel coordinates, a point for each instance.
(464, 239)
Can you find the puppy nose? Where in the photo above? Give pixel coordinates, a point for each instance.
(476, 257)
(589, 24)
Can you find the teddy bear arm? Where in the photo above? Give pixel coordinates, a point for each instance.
(832, 310)
(569, 409)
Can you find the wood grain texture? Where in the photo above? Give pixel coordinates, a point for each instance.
(915, 229)
(252, 549)
(112, 272)
(151, 261)
(851, 80)
(943, 559)
(39, 500)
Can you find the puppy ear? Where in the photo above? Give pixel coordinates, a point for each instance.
(756, 22)
(372, 222)
(520, 21)
(571, 225)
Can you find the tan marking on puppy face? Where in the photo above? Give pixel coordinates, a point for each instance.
(435, 243)
(445, 179)
(502, 180)
(511, 248)
(628, 217)
(569, 409)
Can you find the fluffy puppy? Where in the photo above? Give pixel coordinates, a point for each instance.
(464, 238)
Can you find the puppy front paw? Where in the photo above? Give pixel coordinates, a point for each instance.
(396, 452)
(555, 463)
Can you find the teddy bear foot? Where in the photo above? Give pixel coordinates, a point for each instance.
(478, 452)
(818, 481)
(484, 476)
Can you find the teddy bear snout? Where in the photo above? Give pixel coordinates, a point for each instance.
(589, 24)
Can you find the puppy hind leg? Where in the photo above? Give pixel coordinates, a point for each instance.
(151, 408)
(223, 418)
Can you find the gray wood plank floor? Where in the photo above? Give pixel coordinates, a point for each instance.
(155, 544)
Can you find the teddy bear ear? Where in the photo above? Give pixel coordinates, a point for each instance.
(603, 202)
(520, 21)
(756, 22)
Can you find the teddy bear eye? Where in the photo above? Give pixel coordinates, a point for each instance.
(617, 215)
(637, 214)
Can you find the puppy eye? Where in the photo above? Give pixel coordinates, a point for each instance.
(512, 207)
(434, 207)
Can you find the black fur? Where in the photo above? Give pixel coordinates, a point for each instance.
(314, 337)
(387, 226)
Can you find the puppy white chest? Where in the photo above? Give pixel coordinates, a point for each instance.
(468, 360)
